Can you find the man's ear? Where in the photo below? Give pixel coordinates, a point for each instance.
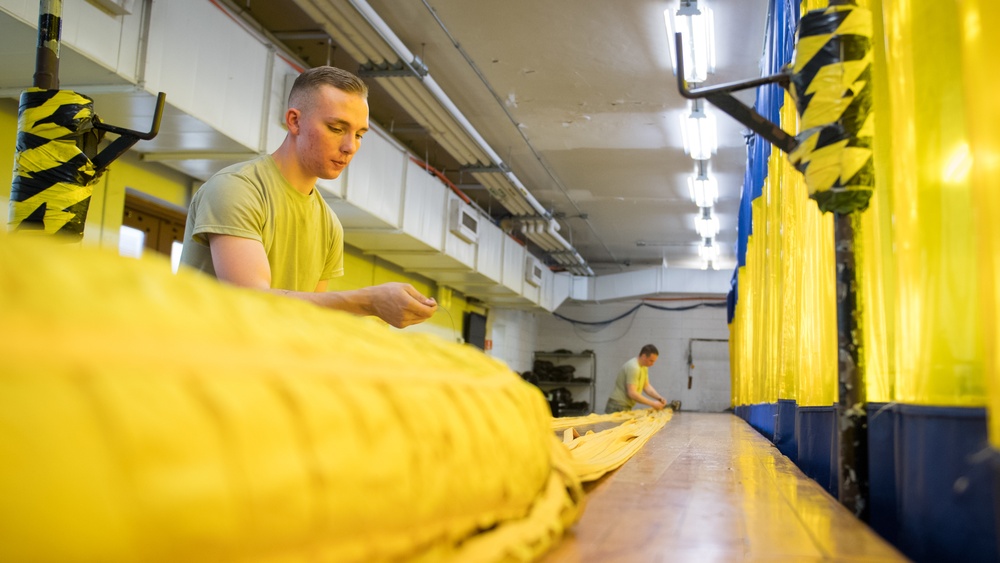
(292, 117)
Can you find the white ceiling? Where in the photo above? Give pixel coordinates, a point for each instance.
(576, 96)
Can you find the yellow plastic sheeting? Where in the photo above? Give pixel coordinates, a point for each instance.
(831, 84)
(51, 187)
(784, 332)
(939, 353)
(150, 417)
(877, 259)
(980, 37)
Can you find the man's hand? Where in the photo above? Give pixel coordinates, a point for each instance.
(400, 304)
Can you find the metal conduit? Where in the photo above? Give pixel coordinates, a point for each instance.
(417, 108)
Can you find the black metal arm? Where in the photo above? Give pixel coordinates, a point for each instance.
(126, 137)
(720, 97)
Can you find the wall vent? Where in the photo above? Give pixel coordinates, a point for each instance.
(533, 271)
(464, 222)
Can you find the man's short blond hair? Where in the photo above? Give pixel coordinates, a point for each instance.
(311, 80)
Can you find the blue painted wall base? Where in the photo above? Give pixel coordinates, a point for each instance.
(784, 429)
(883, 492)
(815, 428)
(946, 507)
(934, 479)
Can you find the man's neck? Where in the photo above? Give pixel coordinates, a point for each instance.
(289, 167)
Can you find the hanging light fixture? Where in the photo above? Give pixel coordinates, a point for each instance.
(709, 253)
(703, 187)
(698, 131)
(707, 224)
(708, 250)
(697, 27)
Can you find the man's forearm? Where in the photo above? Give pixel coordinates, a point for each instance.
(398, 304)
(639, 398)
(649, 390)
(356, 301)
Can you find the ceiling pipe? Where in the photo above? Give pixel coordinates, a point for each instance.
(418, 108)
(404, 53)
(447, 124)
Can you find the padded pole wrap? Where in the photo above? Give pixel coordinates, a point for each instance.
(52, 176)
(831, 85)
(152, 417)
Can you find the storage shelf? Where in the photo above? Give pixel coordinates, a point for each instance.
(584, 363)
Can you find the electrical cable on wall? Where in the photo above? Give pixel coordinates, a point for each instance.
(636, 308)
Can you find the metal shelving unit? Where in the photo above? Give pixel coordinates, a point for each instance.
(582, 386)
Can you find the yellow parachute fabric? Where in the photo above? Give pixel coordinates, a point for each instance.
(596, 453)
(151, 417)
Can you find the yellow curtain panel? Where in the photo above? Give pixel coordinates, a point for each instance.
(939, 351)
(784, 327)
(927, 248)
(980, 41)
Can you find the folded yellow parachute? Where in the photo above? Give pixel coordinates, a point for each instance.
(152, 417)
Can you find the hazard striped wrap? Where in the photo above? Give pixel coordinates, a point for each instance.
(51, 187)
(831, 85)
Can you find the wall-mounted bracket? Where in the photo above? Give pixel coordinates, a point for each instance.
(126, 137)
(720, 96)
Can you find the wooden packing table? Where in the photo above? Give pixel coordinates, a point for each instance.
(708, 487)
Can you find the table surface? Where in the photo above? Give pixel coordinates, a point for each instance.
(708, 487)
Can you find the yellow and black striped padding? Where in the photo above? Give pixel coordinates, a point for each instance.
(831, 84)
(53, 176)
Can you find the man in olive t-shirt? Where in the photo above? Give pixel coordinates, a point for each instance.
(633, 381)
(302, 238)
(263, 225)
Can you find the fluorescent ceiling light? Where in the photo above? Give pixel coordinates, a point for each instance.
(704, 190)
(697, 28)
(707, 224)
(708, 250)
(698, 130)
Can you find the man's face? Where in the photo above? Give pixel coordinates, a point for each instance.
(647, 361)
(330, 131)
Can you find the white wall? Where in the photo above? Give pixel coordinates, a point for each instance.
(669, 331)
(514, 334)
